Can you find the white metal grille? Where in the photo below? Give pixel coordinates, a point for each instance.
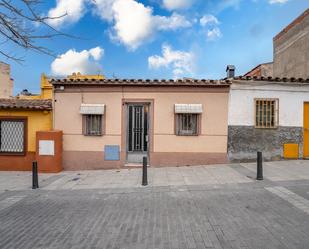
(12, 136)
(93, 125)
(186, 124)
(266, 113)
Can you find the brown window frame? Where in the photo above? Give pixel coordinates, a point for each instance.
(198, 124)
(85, 125)
(268, 123)
(24, 120)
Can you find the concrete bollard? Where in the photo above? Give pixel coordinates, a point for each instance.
(259, 170)
(35, 177)
(145, 180)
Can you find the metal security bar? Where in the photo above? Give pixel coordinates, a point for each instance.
(12, 136)
(93, 125)
(186, 124)
(266, 113)
(137, 128)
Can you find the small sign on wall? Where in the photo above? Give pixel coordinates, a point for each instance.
(111, 152)
(46, 147)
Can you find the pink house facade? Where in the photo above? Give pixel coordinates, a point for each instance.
(111, 123)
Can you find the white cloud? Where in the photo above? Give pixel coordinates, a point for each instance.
(135, 23)
(85, 62)
(177, 4)
(212, 24)
(224, 4)
(213, 34)
(70, 10)
(104, 9)
(132, 23)
(278, 1)
(175, 21)
(208, 19)
(97, 53)
(181, 62)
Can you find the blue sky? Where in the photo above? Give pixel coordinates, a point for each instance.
(157, 38)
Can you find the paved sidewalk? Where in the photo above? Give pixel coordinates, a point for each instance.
(283, 170)
(13, 180)
(211, 175)
(131, 178)
(203, 207)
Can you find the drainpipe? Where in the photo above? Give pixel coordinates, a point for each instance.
(54, 108)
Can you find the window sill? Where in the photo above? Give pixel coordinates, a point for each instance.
(187, 135)
(266, 128)
(93, 135)
(12, 153)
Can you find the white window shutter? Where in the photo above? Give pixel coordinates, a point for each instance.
(94, 109)
(188, 108)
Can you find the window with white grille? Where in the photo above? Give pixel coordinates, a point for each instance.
(93, 125)
(12, 136)
(187, 124)
(266, 113)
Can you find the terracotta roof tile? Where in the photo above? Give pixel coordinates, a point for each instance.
(143, 82)
(32, 104)
(272, 79)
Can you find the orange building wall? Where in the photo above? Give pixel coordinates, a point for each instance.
(36, 121)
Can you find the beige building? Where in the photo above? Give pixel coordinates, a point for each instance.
(6, 83)
(290, 52)
(291, 49)
(111, 123)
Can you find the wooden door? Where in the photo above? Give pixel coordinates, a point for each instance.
(306, 130)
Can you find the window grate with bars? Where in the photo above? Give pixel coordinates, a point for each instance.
(266, 113)
(93, 125)
(12, 136)
(186, 124)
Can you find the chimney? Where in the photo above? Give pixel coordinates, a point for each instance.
(230, 71)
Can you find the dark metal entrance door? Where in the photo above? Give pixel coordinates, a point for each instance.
(137, 132)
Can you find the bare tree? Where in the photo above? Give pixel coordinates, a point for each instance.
(19, 22)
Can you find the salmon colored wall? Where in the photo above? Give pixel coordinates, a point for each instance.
(213, 137)
(37, 121)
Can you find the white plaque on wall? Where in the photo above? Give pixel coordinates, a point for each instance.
(46, 148)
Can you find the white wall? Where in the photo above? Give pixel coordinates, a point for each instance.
(291, 102)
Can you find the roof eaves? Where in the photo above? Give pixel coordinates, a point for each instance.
(272, 79)
(142, 82)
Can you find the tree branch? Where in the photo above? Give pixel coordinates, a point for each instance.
(16, 27)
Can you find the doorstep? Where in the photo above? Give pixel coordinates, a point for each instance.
(134, 165)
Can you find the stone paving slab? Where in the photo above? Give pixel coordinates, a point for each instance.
(283, 170)
(300, 189)
(293, 198)
(130, 178)
(19, 180)
(170, 176)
